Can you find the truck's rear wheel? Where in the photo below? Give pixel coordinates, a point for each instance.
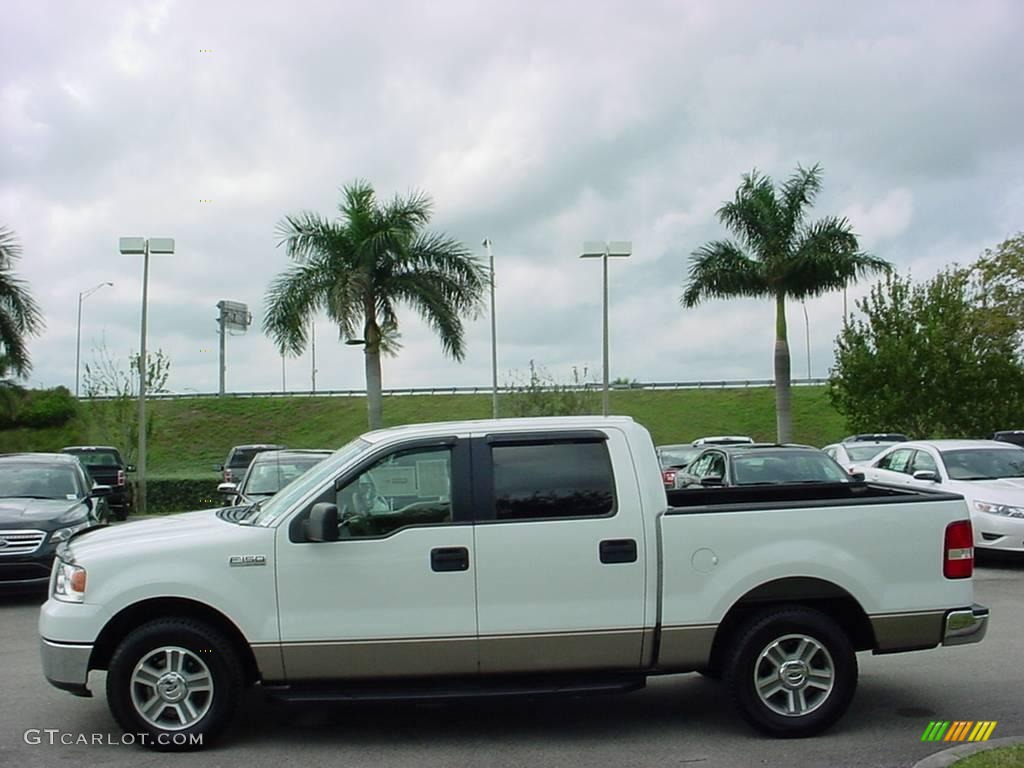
(176, 681)
(791, 671)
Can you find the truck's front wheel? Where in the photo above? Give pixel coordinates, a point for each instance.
(791, 671)
(176, 681)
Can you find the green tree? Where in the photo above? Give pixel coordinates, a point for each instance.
(999, 280)
(928, 360)
(777, 254)
(360, 267)
(20, 316)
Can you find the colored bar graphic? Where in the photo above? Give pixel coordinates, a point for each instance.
(959, 730)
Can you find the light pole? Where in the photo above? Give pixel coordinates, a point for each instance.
(593, 249)
(144, 246)
(78, 348)
(807, 324)
(494, 337)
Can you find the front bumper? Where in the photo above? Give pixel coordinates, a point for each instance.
(66, 665)
(22, 573)
(964, 626)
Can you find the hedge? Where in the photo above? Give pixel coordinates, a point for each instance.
(177, 494)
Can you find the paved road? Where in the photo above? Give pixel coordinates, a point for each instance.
(679, 721)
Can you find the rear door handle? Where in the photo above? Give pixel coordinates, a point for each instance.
(618, 551)
(449, 559)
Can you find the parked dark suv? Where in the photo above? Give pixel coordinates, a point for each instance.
(239, 458)
(1015, 436)
(45, 498)
(106, 467)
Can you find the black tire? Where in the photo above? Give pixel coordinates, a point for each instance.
(827, 648)
(203, 646)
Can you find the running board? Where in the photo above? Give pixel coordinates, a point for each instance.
(441, 690)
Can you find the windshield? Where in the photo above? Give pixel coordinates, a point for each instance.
(786, 467)
(984, 463)
(39, 482)
(677, 457)
(280, 503)
(97, 458)
(865, 452)
(270, 476)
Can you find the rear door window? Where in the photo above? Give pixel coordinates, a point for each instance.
(552, 480)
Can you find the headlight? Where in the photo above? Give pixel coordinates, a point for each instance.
(1005, 510)
(63, 534)
(69, 585)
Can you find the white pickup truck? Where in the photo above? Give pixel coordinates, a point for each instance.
(507, 557)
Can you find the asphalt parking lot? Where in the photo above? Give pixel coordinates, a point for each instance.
(677, 721)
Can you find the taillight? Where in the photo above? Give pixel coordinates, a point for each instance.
(120, 477)
(958, 556)
(668, 476)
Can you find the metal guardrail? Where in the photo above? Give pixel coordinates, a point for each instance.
(650, 386)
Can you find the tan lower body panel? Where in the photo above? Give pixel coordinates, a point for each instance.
(562, 651)
(683, 649)
(906, 631)
(380, 658)
(269, 661)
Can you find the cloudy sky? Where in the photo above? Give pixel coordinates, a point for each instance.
(538, 125)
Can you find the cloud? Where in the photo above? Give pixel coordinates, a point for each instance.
(537, 129)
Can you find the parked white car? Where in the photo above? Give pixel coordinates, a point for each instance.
(987, 473)
(852, 456)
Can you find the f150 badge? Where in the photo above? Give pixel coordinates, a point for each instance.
(238, 561)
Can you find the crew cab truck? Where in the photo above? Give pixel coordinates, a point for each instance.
(518, 556)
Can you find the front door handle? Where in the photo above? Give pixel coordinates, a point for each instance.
(618, 551)
(449, 559)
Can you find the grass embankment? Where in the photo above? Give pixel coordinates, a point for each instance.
(192, 435)
(1004, 757)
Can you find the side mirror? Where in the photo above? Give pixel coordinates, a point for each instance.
(130, 468)
(857, 477)
(99, 491)
(711, 481)
(926, 474)
(322, 524)
(227, 488)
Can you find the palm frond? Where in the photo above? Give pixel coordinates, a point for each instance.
(291, 300)
(798, 194)
(430, 294)
(753, 215)
(827, 257)
(20, 315)
(720, 269)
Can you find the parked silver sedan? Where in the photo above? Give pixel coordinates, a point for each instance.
(269, 472)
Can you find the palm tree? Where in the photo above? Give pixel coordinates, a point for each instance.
(778, 255)
(19, 314)
(360, 267)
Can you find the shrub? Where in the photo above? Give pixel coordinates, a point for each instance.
(166, 495)
(47, 408)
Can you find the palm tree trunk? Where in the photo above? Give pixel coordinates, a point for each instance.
(783, 417)
(374, 396)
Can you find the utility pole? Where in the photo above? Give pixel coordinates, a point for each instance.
(312, 346)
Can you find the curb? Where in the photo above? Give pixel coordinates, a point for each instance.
(949, 756)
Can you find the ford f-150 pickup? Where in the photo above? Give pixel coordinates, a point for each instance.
(514, 556)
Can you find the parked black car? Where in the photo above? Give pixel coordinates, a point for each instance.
(45, 498)
(105, 466)
(239, 458)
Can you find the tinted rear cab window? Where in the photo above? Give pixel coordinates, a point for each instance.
(552, 480)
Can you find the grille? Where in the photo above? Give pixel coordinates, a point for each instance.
(23, 542)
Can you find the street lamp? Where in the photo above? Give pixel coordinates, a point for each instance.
(144, 246)
(78, 348)
(593, 249)
(494, 336)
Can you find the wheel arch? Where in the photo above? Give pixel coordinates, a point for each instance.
(809, 592)
(132, 616)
